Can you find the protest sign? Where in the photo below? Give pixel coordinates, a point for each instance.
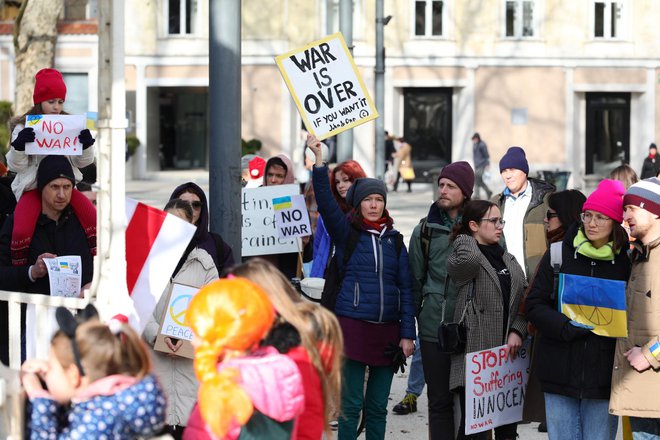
(260, 235)
(55, 134)
(172, 323)
(291, 216)
(326, 86)
(64, 275)
(495, 387)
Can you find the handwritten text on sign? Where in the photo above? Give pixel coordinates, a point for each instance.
(326, 86)
(292, 216)
(494, 388)
(55, 134)
(260, 235)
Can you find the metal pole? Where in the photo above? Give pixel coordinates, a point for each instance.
(225, 120)
(345, 139)
(109, 282)
(380, 90)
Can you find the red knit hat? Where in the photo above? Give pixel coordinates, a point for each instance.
(48, 84)
(256, 167)
(607, 199)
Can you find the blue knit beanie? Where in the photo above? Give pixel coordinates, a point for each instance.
(364, 187)
(514, 158)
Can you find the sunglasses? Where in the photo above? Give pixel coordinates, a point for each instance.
(549, 214)
(195, 204)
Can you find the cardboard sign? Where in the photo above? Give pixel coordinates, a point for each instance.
(55, 134)
(291, 216)
(326, 86)
(172, 324)
(260, 235)
(495, 387)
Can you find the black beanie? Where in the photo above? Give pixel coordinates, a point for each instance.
(364, 187)
(54, 167)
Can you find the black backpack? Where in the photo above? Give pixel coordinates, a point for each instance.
(334, 273)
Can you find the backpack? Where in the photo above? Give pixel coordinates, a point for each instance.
(334, 274)
(555, 262)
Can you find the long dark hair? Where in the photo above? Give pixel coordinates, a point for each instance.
(568, 205)
(474, 210)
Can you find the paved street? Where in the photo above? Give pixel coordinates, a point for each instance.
(406, 209)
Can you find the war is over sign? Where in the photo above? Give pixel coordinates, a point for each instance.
(326, 86)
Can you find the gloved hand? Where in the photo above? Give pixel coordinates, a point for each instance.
(398, 357)
(24, 136)
(574, 330)
(86, 139)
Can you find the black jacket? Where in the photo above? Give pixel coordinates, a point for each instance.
(572, 362)
(650, 167)
(66, 237)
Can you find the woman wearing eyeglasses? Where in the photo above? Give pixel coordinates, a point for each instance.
(481, 268)
(211, 242)
(574, 365)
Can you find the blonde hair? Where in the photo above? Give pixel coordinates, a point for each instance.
(229, 316)
(625, 174)
(103, 353)
(315, 325)
(327, 355)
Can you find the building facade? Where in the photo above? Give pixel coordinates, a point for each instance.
(575, 83)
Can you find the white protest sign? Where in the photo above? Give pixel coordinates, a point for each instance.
(173, 320)
(326, 86)
(291, 216)
(259, 231)
(64, 275)
(55, 134)
(494, 388)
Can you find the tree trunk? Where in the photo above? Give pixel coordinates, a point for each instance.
(35, 35)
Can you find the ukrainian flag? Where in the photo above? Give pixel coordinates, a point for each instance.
(280, 203)
(64, 265)
(598, 302)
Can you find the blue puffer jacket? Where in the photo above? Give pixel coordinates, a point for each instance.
(377, 285)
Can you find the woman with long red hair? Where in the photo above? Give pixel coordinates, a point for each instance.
(341, 178)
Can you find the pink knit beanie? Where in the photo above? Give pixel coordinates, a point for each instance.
(607, 199)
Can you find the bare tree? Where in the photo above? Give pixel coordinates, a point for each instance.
(35, 35)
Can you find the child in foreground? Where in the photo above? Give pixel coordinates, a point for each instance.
(99, 376)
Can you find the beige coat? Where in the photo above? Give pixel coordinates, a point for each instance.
(403, 157)
(485, 321)
(176, 374)
(634, 393)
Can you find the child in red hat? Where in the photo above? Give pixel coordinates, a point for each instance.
(48, 96)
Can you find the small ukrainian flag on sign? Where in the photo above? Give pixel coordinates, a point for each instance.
(598, 302)
(280, 203)
(64, 265)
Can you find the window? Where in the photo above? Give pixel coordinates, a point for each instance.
(79, 10)
(608, 17)
(182, 17)
(519, 18)
(77, 88)
(429, 15)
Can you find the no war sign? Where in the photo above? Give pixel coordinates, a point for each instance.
(55, 134)
(326, 86)
(292, 216)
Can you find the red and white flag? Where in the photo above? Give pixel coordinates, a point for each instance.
(155, 242)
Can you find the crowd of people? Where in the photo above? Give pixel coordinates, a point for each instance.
(269, 364)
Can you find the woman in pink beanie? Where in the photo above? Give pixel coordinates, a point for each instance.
(48, 97)
(574, 365)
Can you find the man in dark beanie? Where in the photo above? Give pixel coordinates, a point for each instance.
(53, 220)
(428, 252)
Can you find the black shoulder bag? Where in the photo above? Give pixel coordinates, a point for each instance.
(452, 336)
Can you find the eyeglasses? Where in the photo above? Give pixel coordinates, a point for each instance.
(549, 214)
(498, 222)
(587, 217)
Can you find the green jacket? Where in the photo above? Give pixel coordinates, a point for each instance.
(429, 285)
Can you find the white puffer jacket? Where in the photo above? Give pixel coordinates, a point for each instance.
(175, 373)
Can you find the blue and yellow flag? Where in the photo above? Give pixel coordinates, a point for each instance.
(282, 203)
(598, 302)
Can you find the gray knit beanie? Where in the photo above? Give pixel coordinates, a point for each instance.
(364, 187)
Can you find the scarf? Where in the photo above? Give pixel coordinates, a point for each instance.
(385, 222)
(26, 215)
(583, 246)
(555, 235)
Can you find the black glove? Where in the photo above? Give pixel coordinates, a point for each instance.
(574, 330)
(398, 357)
(24, 136)
(86, 139)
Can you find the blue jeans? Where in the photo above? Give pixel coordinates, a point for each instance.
(645, 429)
(375, 400)
(579, 419)
(416, 380)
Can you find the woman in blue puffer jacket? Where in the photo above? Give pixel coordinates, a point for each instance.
(374, 303)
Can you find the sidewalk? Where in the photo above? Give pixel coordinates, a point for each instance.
(406, 209)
